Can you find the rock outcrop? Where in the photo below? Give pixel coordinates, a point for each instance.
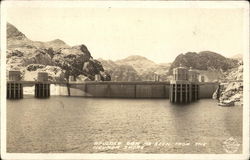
(55, 57)
(232, 91)
(55, 72)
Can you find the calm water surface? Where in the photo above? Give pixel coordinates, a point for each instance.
(74, 124)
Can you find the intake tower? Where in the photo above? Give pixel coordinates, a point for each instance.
(184, 87)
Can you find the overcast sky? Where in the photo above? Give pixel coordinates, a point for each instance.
(156, 33)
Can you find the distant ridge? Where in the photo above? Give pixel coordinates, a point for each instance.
(18, 39)
(139, 63)
(135, 68)
(14, 33)
(56, 41)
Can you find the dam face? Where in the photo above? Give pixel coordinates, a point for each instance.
(133, 89)
(180, 90)
(121, 89)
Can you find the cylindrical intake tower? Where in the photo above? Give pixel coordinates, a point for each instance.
(14, 87)
(42, 87)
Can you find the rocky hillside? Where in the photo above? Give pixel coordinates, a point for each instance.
(208, 64)
(139, 63)
(205, 60)
(232, 89)
(55, 57)
(135, 68)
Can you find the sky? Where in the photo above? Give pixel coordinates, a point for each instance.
(160, 34)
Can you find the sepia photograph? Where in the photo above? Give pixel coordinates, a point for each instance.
(124, 80)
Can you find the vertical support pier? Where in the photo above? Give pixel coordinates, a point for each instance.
(42, 87)
(170, 93)
(190, 92)
(71, 79)
(198, 92)
(14, 86)
(187, 93)
(68, 89)
(135, 91)
(179, 92)
(195, 92)
(219, 92)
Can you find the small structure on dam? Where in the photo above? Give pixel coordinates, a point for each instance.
(184, 88)
(14, 88)
(42, 87)
(156, 78)
(97, 77)
(202, 78)
(72, 79)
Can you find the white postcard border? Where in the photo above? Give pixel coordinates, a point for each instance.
(122, 4)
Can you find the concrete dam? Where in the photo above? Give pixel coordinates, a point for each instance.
(184, 88)
(105, 89)
(133, 89)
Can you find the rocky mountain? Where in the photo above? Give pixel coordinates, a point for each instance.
(139, 63)
(62, 60)
(205, 60)
(135, 68)
(14, 34)
(120, 72)
(55, 57)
